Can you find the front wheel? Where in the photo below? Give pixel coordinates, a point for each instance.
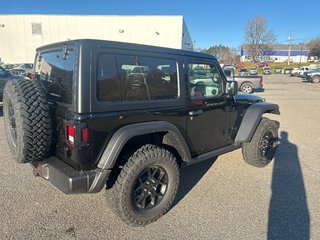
(261, 149)
(146, 186)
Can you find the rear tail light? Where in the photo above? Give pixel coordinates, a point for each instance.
(77, 134)
(70, 135)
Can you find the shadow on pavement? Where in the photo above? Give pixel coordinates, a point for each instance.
(190, 176)
(1, 111)
(258, 90)
(288, 211)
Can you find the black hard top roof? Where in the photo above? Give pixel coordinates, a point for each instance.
(125, 45)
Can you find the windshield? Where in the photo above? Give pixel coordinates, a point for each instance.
(56, 70)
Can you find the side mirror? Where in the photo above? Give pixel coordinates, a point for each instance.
(232, 88)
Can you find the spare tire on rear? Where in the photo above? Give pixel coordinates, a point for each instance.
(27, 120)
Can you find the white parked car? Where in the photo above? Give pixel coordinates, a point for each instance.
(296, 72)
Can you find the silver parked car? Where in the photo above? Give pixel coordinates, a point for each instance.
(253, 71)
(266, 70)
(23, 69)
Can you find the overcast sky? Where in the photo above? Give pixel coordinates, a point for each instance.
(209, 22)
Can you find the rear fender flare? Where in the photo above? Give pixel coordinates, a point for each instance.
(124, 134)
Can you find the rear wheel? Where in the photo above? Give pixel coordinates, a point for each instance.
(246, 88)
(146, 186)
(27, 120)
(261, 149)
(316, 79)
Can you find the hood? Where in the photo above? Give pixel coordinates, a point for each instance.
(247, 98)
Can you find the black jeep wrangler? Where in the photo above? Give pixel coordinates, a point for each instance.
(125, 117)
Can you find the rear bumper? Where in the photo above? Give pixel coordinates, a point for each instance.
(68, 179)
(257, 85)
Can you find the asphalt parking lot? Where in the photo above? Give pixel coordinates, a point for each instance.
(225, 199)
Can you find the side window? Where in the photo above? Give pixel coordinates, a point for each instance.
(204, 80)
(133, 76)
(136, 78)
(147, 78)
(161, 78)
(108, 86)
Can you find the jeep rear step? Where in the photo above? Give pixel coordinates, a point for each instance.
(68, 179)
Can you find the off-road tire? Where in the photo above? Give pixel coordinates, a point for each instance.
(258, 152)
(315, 79)
(127, 188)
(246, 88)
(27, 120)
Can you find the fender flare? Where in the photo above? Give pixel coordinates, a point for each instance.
(124, 134)
(252, 118)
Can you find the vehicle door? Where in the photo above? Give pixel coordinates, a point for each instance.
(208, 106)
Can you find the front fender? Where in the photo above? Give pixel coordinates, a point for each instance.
(252, 118)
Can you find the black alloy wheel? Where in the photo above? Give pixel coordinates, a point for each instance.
(267, 145)
(146, 186)
(150, 188)
(261, 149)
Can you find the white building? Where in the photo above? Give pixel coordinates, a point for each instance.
(20, 35)
(279, 53)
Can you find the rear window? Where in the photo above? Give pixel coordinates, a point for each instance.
(227, 72)
(136, 78)
(56, 70)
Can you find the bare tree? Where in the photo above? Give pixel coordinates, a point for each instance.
(258, 37)
(314, 47)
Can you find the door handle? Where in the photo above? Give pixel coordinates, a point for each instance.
(195, 113)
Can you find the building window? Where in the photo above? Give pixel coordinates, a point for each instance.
(36, 29)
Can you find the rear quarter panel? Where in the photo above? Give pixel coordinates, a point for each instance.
(254, 80)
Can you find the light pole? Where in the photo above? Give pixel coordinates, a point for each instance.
(289, 52)
(300, 54)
